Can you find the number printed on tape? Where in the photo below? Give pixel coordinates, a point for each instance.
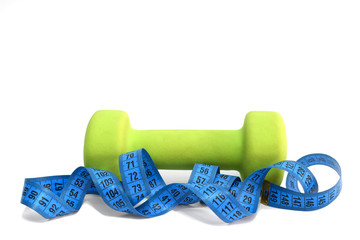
(143, 191)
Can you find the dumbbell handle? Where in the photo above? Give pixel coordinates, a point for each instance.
(260, 143)
(179, 149)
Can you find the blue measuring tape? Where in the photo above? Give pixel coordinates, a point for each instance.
(143, 191)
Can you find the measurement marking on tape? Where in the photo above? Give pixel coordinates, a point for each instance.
(143, 191)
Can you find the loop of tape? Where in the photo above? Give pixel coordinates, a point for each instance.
(144, 192)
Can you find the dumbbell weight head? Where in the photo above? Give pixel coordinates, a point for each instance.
(259, 143)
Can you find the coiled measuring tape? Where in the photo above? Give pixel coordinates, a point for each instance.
(143, 191)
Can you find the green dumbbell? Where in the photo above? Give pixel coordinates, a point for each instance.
(260, 143)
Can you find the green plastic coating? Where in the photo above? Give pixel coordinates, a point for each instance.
(259, 143)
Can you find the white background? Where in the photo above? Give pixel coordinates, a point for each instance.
(182, 65)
